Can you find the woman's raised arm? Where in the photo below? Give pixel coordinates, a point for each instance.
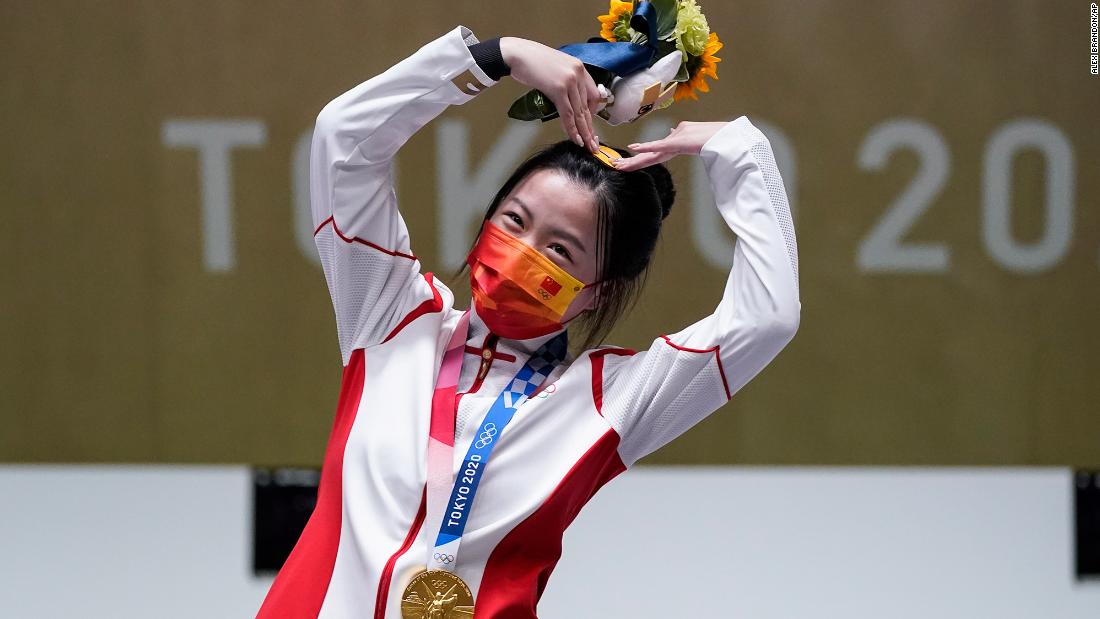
(655, 395)
(373, 276)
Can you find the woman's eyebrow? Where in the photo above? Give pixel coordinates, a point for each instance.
(569, 237)
(555, 231)
(523, 205)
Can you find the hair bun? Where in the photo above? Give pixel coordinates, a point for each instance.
(662, 181)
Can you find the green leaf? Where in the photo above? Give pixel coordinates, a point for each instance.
(666, 16)
(532, 106)
(665, 48)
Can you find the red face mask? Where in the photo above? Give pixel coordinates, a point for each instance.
(517, 291)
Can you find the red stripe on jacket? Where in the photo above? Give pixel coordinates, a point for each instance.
(300, 587)
(717, 359)
(596, 358)
(518, 568)
(355, 239)
(432, 305)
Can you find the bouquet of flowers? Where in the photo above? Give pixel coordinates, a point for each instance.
(649, 54)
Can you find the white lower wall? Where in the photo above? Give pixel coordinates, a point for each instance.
(119, 541)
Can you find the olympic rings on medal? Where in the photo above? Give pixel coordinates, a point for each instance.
(486, 437)
(442, 558)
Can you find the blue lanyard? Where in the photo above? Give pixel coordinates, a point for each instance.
(515, 393)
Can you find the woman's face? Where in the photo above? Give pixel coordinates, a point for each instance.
(549, 212)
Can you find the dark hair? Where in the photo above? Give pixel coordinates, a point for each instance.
(630, 208)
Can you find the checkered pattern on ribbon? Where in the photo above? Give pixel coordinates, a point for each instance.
(535, 371)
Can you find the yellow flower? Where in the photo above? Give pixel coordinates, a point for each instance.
(616, 24)
(699, 67)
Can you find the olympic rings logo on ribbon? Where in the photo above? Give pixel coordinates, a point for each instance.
(486, 437)
(442, 558)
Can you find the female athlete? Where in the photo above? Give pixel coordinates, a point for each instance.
(465, 442)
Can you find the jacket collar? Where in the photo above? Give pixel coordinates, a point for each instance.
(522, 349)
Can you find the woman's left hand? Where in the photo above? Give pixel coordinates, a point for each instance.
(686, 138)
(560, 77)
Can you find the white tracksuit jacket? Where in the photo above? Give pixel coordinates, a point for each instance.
(603, 410)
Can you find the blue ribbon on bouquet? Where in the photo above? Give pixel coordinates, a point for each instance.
(621, 57)
(604, 60)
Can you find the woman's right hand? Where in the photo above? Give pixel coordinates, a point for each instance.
(560, 77)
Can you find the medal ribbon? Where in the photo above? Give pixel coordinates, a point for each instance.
(452, 515)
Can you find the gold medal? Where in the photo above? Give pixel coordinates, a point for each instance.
(437, 594)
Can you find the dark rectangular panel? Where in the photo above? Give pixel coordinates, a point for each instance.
(1087, 523)
(283, 500)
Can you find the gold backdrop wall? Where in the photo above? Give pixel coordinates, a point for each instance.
(942, 157)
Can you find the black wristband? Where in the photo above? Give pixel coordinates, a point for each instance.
(487, 56)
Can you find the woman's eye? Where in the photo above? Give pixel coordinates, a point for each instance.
(515, 218)
(558, 247)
